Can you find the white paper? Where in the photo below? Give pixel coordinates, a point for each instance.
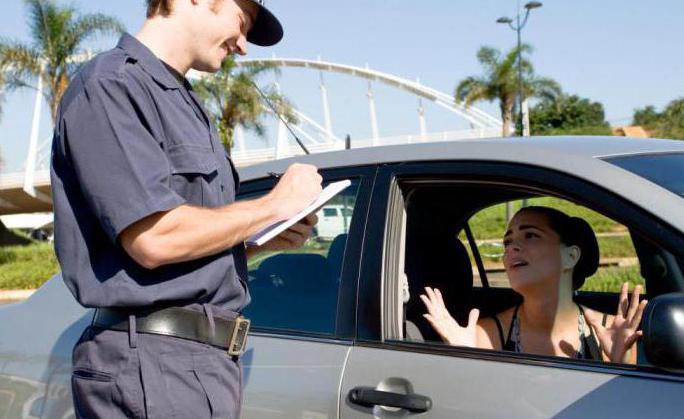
(275, 229)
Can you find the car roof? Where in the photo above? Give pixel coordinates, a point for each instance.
(577, 156)
(514, 149)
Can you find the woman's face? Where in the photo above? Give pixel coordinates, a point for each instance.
(532, 253)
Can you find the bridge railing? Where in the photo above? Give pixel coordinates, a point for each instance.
(254, 156)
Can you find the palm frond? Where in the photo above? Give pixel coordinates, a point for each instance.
(231, 96)
(38, 21)
(2, 100)
(544, 88)
(472, 89)
(488, 56)
(90, 25)
(19, 63)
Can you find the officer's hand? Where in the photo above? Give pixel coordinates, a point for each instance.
(298, 188)
(292, 238)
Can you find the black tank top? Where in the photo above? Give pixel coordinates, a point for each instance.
(589, 348)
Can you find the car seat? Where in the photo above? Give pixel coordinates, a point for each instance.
(336, 255)
(437, 260)
(294, 291)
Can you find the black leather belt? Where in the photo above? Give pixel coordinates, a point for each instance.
(181, 323)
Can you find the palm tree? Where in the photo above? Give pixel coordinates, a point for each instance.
(500, 82)
(57, 34)
(3, 88)
(232, 98)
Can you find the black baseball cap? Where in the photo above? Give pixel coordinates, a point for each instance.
(266, 30)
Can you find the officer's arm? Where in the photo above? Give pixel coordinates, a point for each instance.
(187, 233)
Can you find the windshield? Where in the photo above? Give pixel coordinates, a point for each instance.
(663, 169)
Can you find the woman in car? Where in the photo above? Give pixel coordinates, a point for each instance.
(547, 256)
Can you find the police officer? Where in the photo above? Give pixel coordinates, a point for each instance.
(147, 230)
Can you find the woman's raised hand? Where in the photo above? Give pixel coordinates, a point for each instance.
(618, 339)
(445, 325)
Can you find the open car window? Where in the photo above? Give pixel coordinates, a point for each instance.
(618, 261)
(439, 253)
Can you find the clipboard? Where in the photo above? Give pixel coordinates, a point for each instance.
(273, 230)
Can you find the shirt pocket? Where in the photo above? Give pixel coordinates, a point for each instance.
(194, 173)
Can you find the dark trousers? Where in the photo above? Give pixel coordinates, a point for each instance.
(138, 375)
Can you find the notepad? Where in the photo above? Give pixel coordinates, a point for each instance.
(275, 229)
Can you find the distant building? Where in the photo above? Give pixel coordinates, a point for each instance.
(631, 131)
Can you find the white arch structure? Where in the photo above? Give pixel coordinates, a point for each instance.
(33, 183)
(482, 123)
(476, 116)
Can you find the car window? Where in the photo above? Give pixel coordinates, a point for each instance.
(663, 169)
(297, 290)
(440, 253)
(329, 212)
(618, 262)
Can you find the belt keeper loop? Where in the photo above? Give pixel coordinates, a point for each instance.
(210, 318)
(132, 332)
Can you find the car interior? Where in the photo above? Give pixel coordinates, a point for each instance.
(309, 278)
(437, 245)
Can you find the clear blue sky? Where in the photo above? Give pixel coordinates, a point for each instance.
(625, 54)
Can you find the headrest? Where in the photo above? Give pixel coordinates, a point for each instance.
(438, 260)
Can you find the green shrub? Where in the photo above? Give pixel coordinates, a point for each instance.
(490, 223)
(611, 279)
(27, 267)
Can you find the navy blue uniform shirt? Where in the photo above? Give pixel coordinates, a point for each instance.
(131, 140)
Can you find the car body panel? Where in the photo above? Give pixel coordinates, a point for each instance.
(292, 378)
(44, 330)
(467, 388)
(293, 375)
(577, 156)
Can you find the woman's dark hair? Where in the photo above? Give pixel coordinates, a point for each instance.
(573, 231)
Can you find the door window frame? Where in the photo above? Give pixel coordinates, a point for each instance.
(594, 196)
(346, 307)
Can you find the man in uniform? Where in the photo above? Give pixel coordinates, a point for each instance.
(147, 230)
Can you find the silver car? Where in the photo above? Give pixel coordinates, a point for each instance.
(337, 328)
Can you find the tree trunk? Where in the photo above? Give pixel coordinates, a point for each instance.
(506, 116)
(7, 238)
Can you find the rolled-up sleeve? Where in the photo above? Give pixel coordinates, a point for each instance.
(121, 167)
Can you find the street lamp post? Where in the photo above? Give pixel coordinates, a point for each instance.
(518, 27)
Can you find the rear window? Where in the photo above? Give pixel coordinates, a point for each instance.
(664, 169)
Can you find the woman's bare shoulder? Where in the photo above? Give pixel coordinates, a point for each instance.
(487, 328)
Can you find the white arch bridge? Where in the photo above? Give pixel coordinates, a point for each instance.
(29, 189)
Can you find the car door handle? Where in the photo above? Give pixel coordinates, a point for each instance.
(369, 397)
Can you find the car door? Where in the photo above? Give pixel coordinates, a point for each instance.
(387, 377)
(303, 311)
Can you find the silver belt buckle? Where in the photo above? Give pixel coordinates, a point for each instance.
(238, 340)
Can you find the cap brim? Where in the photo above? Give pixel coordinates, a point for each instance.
(266, 30)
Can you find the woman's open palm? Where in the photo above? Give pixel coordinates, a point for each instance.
(445, 325)
(618, 339)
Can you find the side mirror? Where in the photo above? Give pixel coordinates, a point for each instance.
(663, 326)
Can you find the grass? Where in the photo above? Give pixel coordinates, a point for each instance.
(311, 246)
(27, 267)
(491, 222)
(611, 279)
